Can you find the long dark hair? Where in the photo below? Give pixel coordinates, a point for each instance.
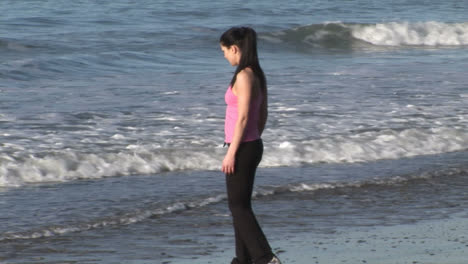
(246, 39)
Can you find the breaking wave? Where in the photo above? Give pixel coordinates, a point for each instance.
(67, 165)
(349, 35)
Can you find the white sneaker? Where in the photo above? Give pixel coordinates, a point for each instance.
(274, 260)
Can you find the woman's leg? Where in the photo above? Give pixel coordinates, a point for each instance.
(242, 253)
(251, 243)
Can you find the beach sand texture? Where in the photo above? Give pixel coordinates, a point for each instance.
(426, 242)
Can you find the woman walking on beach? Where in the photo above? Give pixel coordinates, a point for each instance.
(246, 115)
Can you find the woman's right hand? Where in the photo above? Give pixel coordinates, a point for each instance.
(228, 164)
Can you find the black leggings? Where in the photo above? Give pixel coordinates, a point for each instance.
(251, 243)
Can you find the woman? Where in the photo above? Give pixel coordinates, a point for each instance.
(246, 116)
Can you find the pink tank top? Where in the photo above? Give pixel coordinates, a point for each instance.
(251, 132)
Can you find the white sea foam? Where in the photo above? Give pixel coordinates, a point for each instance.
(339, 34)
(369, 146)
(67, 165)
(405, 33)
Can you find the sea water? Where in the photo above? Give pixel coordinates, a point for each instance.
(111, 122)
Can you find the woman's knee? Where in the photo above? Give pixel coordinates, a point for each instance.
(239, 207)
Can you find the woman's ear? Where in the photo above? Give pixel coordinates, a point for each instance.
(235, 49)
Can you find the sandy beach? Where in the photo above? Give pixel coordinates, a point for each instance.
(437, 242)
(425, 242)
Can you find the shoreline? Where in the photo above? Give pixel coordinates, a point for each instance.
(425, 242)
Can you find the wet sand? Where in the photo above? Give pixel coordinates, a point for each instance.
(426, 242)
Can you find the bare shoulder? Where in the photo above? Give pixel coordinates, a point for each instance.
(246, 75)
(245, 82)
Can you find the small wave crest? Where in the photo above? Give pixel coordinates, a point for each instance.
(181, 206)
(126, 219)
(67, 165)
(349, 35)
(369, 146)
(413, 34)
(328, 35)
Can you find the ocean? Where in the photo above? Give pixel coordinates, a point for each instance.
(112, 113)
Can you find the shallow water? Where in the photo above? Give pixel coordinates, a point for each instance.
(111, 118)
(142, 218)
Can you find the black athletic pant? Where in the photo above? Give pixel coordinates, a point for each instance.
(251, 244)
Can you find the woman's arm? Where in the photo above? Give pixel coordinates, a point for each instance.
(263, 114)
(243, 90)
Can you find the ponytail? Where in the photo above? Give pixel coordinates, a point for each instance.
(246, 39)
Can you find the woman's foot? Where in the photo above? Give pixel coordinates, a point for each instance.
(236, 261)
(274, 260)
